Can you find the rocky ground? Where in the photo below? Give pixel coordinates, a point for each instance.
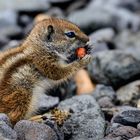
(107, 105)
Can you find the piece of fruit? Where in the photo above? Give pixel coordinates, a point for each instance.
(81, 52)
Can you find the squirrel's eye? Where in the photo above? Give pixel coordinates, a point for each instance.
(70, 34)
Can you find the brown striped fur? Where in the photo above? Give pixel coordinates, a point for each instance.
(35, 66)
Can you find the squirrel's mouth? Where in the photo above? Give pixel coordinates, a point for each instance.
(79, 53)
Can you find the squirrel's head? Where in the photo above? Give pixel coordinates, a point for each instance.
(59, 37)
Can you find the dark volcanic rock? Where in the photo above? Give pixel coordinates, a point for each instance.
(129, 93)
(3, 41)
(6, 132)
(115, 68)
(125, 132)
(112, 127)
(105, 102)
(127, 39)
(117, 138)
(103, 16)
(47, 102)
(86, 122)
(27, 130)
(128, 117)
(135, 138)
(25, 5)
(104, 91)
(4, 118)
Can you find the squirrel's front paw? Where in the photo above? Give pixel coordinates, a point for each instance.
(86, 60)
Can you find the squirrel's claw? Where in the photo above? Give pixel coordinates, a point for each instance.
(57, 115)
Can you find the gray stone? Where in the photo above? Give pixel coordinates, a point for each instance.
(47, 102)
(138, 126)
(55, 12)
(104, 91)
(24, 5)
(129, 93)
(4, 118)
(111, 14)
(112, 112)
(98, 47)
(11, 44)
(12, 30)
(112, 127)
(99, 38)
(125, 132)
(105, 102)
(130, 5)
(86, 122)
(59, 1)
(117, 138)
(105, 34)
(27, 130)
(116, 67)
(128, 117)
(7, 17)
(135, 138)
(127, 39)
(3, 41)
(6, 132)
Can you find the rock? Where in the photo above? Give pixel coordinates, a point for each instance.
(116, 67)
(24, 20)
(7, 17)
(106, 35)
(98, 47)
(104, 91)
(125, 132)
(55, 12)
(105, 102)
(11, 44)
(128, 117)
(138, 126)
(11, 32)
(135, 138)
(3, 41)
(47, 102)
(112, 15)
(25, 5)
(127, 39)
(130, 5)
(100, 38)
(28, 130)
(6, 132)
(113, 111)
(112, 127)
(4, 118)
(75, 5)
(117, 138)
(129, 93)
(59, 1)
(86, 122)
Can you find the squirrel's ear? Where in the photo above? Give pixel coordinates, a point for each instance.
(41, 17)
(50, 32)
(50, 29)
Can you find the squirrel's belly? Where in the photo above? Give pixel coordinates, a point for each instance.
(39, 98)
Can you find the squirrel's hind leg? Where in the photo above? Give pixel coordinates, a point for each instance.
(57, 115)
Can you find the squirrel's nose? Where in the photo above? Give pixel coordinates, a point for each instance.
(84, 38)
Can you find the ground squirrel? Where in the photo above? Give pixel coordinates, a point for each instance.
(45, 59)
